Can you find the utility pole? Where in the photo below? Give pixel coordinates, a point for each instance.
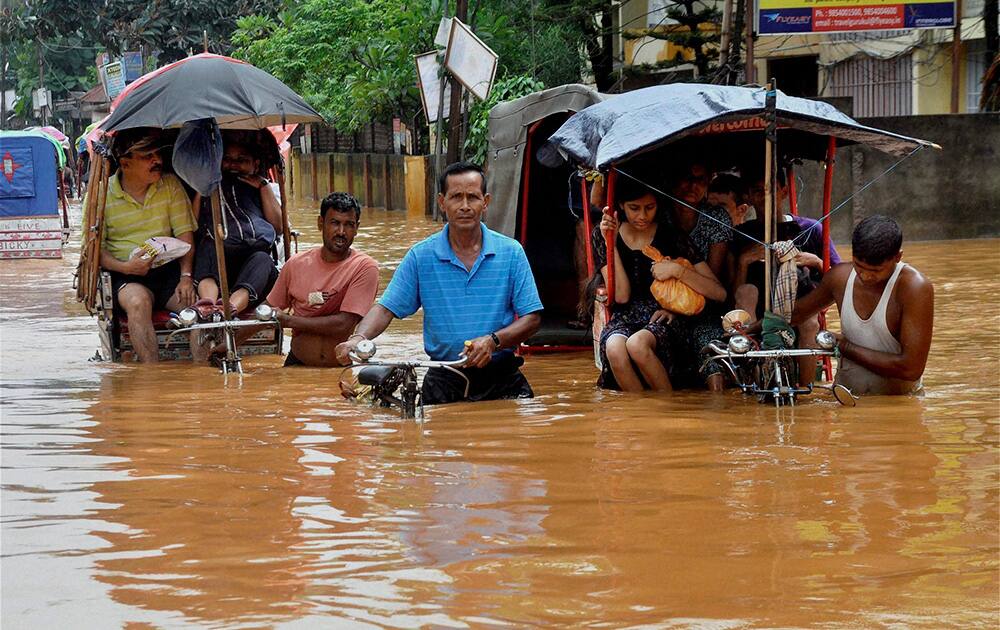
(3, 86)
(751, 76)
(439, 123)
(727, 29)
(956, 55)
(455, 116)
(41, 83)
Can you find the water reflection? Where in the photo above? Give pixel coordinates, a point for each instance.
(162, 496)
(207, 523)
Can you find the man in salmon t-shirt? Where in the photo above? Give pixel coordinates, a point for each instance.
(328, 289)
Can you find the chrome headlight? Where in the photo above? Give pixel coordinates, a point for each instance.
(739, 344)
(826, 340)
(265, 313)
(187, 317)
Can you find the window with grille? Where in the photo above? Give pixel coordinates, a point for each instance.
(975, 68)
(879, 87)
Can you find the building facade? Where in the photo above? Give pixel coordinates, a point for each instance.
(883, 73)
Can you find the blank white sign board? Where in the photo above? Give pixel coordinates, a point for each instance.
(469, 60)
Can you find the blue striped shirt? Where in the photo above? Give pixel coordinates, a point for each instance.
(461, 304)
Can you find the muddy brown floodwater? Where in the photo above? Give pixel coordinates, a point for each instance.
(161, 497)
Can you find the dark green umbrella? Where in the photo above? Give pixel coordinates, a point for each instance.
(234, 93)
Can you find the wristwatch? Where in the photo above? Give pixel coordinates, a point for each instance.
(496, 340)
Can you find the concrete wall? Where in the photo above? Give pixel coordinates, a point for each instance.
(946, 194)
(377, 180)
(951, 193)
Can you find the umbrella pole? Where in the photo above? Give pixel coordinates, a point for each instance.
(220, 252)
(610, 240)
(232, 360)
(286, 229)
(768, 218)
(770, 201)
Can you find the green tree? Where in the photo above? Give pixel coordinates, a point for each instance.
(507, 89)
(68, 34)
(685, 27)
(590, 24)
(351, 59)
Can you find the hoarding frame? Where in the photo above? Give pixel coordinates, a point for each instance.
(800, 17)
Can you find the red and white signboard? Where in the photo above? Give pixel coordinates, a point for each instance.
(31, 237)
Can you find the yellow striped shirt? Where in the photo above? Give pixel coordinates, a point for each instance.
(165, 211)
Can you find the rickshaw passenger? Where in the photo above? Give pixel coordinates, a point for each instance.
(253, 220)
(710, 232)
(748, 285)
(710, 228)
(728, 192)
(144, 202)
(886, 312)
(811, 247)
(813, 243)
(328, 289)
(640, 333)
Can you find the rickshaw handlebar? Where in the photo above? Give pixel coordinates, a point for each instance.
(409, 364)
(721, 352)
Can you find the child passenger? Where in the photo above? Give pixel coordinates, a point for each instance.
(644, 345)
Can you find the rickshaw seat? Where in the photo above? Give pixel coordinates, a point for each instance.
(160, 319)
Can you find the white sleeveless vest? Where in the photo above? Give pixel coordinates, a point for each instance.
(872, 333)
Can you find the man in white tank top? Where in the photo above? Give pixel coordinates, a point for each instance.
(886, 312)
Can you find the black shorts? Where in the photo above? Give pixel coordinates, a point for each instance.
(500, 379)
(250, 268)
(162, 281)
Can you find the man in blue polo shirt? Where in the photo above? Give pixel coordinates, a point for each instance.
(477, 292)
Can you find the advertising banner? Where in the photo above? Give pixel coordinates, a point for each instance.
(133, 65)
(781, 17)
(114, 79)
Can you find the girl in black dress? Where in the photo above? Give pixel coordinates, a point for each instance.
(644, 344)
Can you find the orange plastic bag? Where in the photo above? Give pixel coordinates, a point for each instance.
(672, 294)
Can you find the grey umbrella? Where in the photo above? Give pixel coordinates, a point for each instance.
(236, 94)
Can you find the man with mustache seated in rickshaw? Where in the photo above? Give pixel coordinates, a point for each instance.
(886, 312)
(144, 202)
(328, 289)
(253, 220)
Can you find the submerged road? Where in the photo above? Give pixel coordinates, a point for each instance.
(161, 496)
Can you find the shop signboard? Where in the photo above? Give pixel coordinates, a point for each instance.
(781, 17)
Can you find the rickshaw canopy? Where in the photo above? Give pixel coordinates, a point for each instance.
(37, 133)
(634, 123)
(509, 125)
(29, 163)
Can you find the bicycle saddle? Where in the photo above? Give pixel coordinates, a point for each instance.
(375, 374)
